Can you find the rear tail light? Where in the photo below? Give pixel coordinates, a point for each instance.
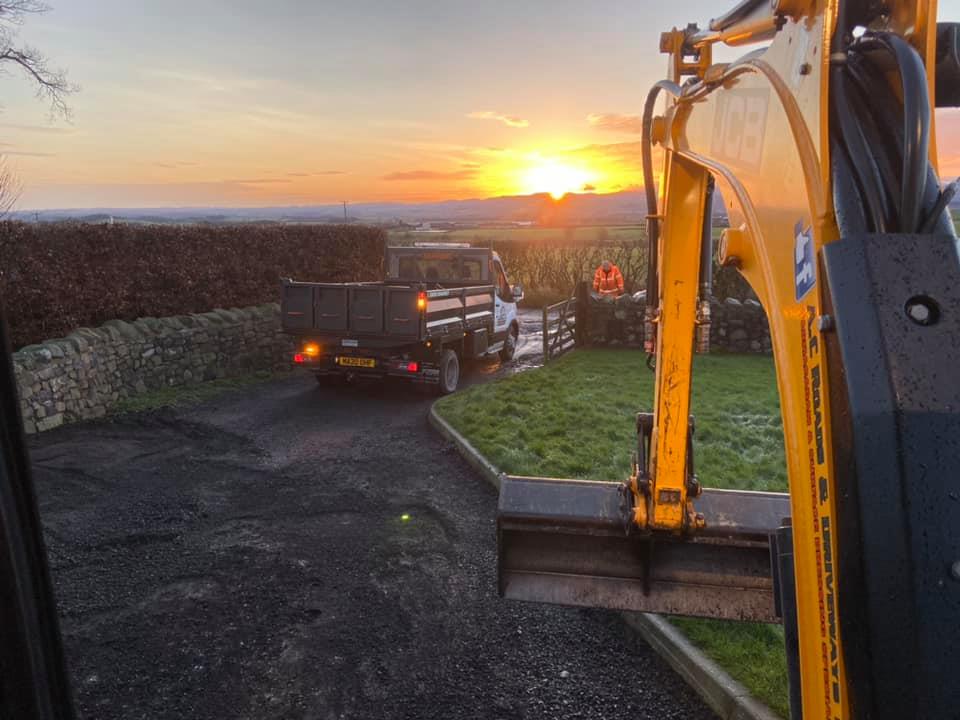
(421, 301)
(299, 358)
(311, 349)
(413, 367)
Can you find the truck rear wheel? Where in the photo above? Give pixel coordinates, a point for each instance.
(449, 373)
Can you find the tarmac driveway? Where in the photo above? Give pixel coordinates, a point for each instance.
(287, 551)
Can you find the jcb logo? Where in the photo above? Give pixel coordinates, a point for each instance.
(740, 127)
(803, 271)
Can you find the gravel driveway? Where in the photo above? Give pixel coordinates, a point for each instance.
(287, 551)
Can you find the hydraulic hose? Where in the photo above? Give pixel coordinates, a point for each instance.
(653, 221)
(882, 131)
(859, 154)
(849, 209)
(916, 126)
(886, 160)
(946, 195)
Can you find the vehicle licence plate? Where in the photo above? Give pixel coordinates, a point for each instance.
(356, 362)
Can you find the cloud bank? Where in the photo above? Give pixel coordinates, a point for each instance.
(431, 175)
(615, 122)
(508, 120)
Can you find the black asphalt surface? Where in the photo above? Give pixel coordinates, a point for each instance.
(250, 558)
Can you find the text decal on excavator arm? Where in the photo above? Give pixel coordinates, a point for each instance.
(738, 135)
(822, 522)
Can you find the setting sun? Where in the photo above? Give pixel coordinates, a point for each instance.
(556, 178)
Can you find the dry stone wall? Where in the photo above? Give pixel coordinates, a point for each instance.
(739, 326)
(736, 326)
(86, 374)
(617, 322)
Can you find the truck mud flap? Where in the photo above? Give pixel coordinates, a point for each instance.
(569, 542)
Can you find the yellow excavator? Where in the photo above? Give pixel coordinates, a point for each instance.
(821, 141)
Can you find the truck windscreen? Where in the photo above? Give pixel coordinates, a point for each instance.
(441, 267)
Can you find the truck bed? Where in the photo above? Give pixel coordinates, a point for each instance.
(388, 311)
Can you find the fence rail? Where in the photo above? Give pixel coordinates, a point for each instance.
(559, 326)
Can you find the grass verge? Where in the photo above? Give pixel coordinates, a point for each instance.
(187, 395)
(576, 418)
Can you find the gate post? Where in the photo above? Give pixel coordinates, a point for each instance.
(582, 333)
(546, 336)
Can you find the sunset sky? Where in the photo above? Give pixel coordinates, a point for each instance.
(276, 102)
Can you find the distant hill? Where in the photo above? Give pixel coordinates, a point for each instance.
(541, 209)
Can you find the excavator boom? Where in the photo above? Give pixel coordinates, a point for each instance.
(822, 145)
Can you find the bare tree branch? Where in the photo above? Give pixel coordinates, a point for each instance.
(13, 11)
(51, 83)
(9, 188)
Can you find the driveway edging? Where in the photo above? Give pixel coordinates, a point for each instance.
(725, 696)
(473, 456)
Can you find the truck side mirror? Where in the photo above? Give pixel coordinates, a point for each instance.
(517, 292)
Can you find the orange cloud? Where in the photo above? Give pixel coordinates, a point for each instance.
(43, 129)
(258, 181)
(25, 153)
(616, 122)
(316, 174)
(625, 152)
(430, 175)
(508, 120)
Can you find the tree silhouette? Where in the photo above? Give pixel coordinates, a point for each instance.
(50, 83)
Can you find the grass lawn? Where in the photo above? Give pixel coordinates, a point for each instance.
(188, 395)
(575, 418)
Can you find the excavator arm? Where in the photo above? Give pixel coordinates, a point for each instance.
(822, 146)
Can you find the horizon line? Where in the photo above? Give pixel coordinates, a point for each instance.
(330, 204)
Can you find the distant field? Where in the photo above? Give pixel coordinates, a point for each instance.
(594, 234)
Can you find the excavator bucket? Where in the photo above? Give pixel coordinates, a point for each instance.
(571, 542)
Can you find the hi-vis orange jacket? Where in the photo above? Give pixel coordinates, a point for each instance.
(605, 282)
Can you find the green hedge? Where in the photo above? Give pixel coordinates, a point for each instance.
(57, 277)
